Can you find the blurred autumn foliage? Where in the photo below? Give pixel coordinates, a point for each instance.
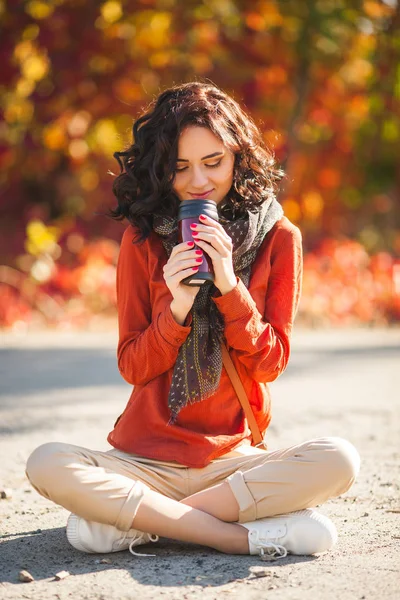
(321, 78)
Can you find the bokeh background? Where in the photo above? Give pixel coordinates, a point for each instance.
(321, 78)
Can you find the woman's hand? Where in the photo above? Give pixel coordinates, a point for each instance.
(213, 239)
(183, 262)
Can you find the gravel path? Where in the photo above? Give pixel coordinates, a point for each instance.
(66, 387)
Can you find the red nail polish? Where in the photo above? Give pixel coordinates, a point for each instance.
(199, 252)
(193, 225)
(190, 244)
(203, 217)
(195, 269)
(199, 260)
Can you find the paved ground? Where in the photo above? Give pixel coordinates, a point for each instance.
(67, 388)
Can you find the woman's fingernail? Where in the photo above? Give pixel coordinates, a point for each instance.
(199, 260)
(190, 243)
(194, 233)
(193, 225)
(203, 217)
(199, 252)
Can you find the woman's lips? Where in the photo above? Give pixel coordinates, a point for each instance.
(201, 195)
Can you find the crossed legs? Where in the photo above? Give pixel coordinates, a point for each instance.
(98, 488)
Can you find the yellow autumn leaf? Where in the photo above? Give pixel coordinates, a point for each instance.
(18, 110)
(31, 32)
(106, 136)
(39, 10)
(54, 137)
(35, 67)
(111, 11)
(377, 10)
(40, 238)
(24, 87)
(23, 50)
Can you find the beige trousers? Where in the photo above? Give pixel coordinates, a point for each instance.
(108, 487)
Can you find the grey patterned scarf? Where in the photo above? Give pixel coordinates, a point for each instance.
(198, 366)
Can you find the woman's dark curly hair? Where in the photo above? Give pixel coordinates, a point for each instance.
(144, 185)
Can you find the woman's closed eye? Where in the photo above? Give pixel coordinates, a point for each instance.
(213, 166)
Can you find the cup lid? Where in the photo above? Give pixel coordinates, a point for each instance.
(192, 208)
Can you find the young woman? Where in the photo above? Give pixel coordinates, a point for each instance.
(182, 463)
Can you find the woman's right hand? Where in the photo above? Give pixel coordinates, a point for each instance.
(182, 262)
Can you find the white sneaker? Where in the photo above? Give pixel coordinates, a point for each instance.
(92, 537)
(300, 532)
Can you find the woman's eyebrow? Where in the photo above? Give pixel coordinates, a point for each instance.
(204, 157)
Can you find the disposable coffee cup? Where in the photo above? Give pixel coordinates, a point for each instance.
(189, 213)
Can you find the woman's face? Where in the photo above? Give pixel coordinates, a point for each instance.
(204, 167)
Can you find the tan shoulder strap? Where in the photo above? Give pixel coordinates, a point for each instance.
(241, 394)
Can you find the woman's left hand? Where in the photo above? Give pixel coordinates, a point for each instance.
(213, 239)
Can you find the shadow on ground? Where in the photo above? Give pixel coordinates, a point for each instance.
(46, 553)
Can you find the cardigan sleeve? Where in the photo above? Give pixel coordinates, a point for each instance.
(261, 342)
(147, 347)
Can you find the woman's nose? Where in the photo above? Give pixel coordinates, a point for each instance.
(199, 178)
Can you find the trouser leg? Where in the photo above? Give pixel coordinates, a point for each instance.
(98, 486)
(294, 478)
(105, 488)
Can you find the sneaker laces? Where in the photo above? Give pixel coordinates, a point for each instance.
(139, 540)
(271, 551)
